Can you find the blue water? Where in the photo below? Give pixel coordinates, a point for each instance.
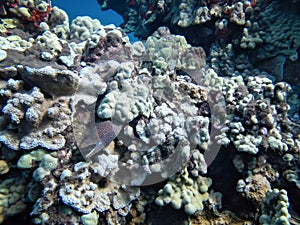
(90, 8)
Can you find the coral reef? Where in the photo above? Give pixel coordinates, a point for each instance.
(162, 128)
(228, 30)
(198, 124)
(144, 17)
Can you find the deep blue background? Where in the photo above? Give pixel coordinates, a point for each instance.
(90, 8)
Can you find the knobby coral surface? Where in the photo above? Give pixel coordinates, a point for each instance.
(87, 117)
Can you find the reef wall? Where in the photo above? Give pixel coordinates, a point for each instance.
(97, 130)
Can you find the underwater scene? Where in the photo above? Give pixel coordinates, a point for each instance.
(150, 112)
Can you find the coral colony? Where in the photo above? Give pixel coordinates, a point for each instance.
(197, 123)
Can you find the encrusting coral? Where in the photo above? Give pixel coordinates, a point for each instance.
(40, 120)
(85, 197)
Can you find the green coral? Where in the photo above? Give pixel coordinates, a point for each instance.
(6, 24)
(47, 162)
(181, 190)
(275, 208)
(27, 160)
(90, 219)
(166, 50)
(12, 200)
